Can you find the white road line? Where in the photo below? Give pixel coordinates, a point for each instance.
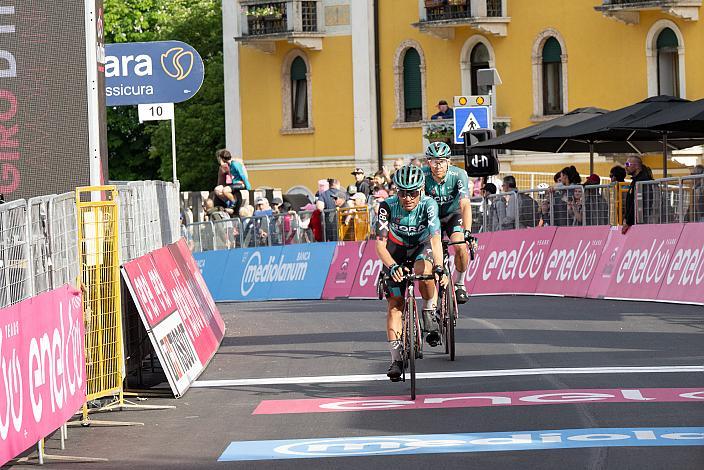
(446, 375)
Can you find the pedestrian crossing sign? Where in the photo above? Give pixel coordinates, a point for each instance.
(471, 118)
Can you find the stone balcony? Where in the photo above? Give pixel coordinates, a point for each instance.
(628, 11)
(441, 17)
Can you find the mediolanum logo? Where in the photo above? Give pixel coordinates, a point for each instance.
(177, 63)
(256, 271)
(454, 443)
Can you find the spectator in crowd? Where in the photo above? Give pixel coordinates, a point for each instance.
(508, 205)
(361, 184)
(617, 174)
(232, 178)
(444, 111)
(262, 219)
(695, 212)
(327, 204)
(569, 176)
(592, 180)
(544, 213)
(575, 207)
(638, 172)
(380, 180)
(398, 163)
(323, 185)
(493, 218)
(417, 162)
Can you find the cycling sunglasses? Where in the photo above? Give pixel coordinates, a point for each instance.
(402, 193)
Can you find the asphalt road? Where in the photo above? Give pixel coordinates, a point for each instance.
(606, 370)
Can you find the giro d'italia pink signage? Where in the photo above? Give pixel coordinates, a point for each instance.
(42, 368)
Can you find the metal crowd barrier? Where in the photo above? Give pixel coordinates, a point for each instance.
(670, 200)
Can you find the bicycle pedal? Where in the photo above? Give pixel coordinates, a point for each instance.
(396, 379)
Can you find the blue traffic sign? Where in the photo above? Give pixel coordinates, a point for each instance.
(471, 118)
(151, 72)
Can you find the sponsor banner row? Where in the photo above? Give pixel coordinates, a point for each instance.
(42, 368)
(177, 310)
(649, 262)
(271, 273)
(462, 442)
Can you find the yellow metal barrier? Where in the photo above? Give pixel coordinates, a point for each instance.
(99, 264)
(353, 223)
(618, 202)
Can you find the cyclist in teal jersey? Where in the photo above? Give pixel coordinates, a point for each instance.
(450, 187)
(408, 236)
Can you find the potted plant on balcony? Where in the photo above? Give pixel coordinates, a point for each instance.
(434, 3)
(440, 133)
(268, 12)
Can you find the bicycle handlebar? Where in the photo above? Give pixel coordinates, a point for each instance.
(470, 240)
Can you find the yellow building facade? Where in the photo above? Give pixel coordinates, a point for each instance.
(304, 99)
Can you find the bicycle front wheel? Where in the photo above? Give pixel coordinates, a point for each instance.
(410, 341)
(448, 320)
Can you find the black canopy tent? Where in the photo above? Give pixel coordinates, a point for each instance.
(612, 128)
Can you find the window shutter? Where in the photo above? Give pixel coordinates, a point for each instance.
(667, 39)
(552, 51)
(412, 95)
(298, 69)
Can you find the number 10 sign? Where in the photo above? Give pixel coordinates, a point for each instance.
(156, 112)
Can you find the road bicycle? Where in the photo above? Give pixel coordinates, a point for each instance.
(447, 311)
(411, 337)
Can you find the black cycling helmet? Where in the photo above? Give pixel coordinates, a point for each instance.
(409, 178)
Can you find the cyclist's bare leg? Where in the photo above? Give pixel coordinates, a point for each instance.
(393, 318)
(427, 288)
(461, 257)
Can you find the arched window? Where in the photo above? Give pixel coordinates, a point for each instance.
(552, 77)
(412, 86)
(296, 92)
(479, 59)
(668, 63)
(299, 96)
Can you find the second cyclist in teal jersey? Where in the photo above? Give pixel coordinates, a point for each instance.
(408, 236)
(450, 187)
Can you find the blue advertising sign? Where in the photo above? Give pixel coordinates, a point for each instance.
(471, 118)
(151, 72)
(250, 273)
(212, 265)
(309, 271)
(459, 443)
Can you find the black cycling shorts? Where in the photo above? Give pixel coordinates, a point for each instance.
(451, 223)
(405, 256)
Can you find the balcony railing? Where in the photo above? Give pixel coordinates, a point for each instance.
(265, 22)
(441, 17)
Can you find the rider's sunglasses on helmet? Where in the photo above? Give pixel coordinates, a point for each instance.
(402, 193)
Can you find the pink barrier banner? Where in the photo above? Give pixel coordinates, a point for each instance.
(642, 264)
(483, 243)
(684, 281)
(572, 262)
(607, 263)
(364, 284)
(179, 314)
(343, 269)
(514, 263)
(42, 368)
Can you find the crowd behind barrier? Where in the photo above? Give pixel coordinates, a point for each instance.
(671, 200)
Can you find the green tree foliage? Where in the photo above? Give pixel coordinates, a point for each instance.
(143, 151)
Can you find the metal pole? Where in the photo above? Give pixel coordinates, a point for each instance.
(92, 88)
(591, 157)
(173, 146)
(664, 154)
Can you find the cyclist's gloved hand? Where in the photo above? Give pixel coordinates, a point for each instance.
(470, 239)
(396, 273)
(441, 275)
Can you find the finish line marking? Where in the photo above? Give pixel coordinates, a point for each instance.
(447, 375)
